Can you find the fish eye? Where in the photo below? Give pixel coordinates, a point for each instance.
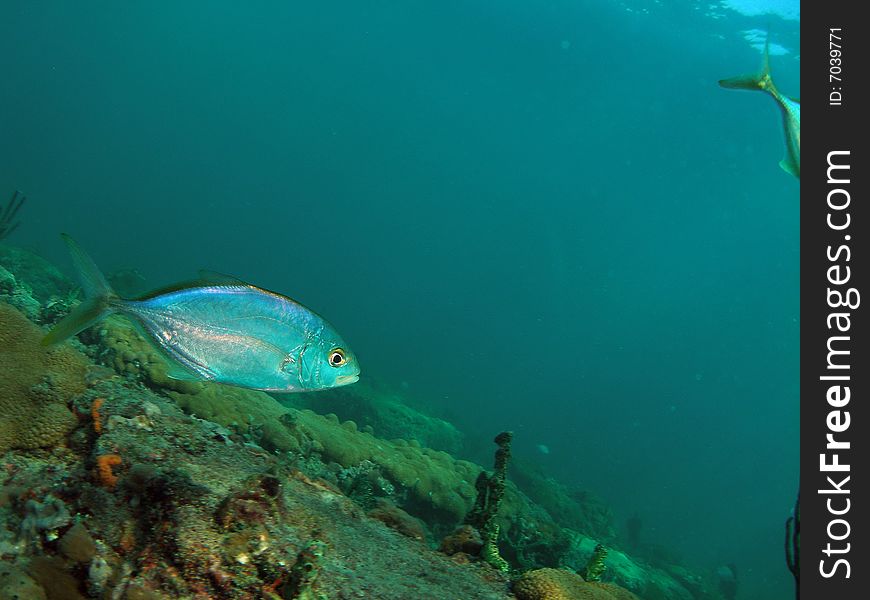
(337, 358)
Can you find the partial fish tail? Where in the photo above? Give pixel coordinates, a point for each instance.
(790, 108)
(99, 301)
(760, 82)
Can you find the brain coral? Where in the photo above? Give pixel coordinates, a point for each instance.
(557, 584)
(35, 385)
(619, 593)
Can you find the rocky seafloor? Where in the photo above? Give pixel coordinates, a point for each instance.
(118, 482)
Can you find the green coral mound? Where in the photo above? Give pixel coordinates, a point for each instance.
(256, 416)
(384, 412)
(434, 480)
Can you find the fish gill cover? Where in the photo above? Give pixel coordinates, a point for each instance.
(544, 219)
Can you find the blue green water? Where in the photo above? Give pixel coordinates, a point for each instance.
(544, 217)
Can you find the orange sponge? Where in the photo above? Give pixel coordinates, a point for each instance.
(105, 463)
(95, 414)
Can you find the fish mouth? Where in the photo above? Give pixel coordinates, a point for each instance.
(346, 379)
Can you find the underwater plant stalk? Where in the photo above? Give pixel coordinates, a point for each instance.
(595, 567)
(490, 490)
(7, 214)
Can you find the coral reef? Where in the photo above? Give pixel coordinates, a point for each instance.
(120, 482)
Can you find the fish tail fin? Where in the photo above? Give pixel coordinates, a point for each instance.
(99, 301)
(761, 81)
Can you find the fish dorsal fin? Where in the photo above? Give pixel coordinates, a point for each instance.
(211, 279)
(765, 60)
(207, 277)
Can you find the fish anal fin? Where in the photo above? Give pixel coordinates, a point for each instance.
(181, 373)
(87, 313)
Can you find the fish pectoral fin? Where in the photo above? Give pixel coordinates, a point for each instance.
(789, 167)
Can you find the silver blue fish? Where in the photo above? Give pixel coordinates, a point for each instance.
(228, 332)
(789, 107)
